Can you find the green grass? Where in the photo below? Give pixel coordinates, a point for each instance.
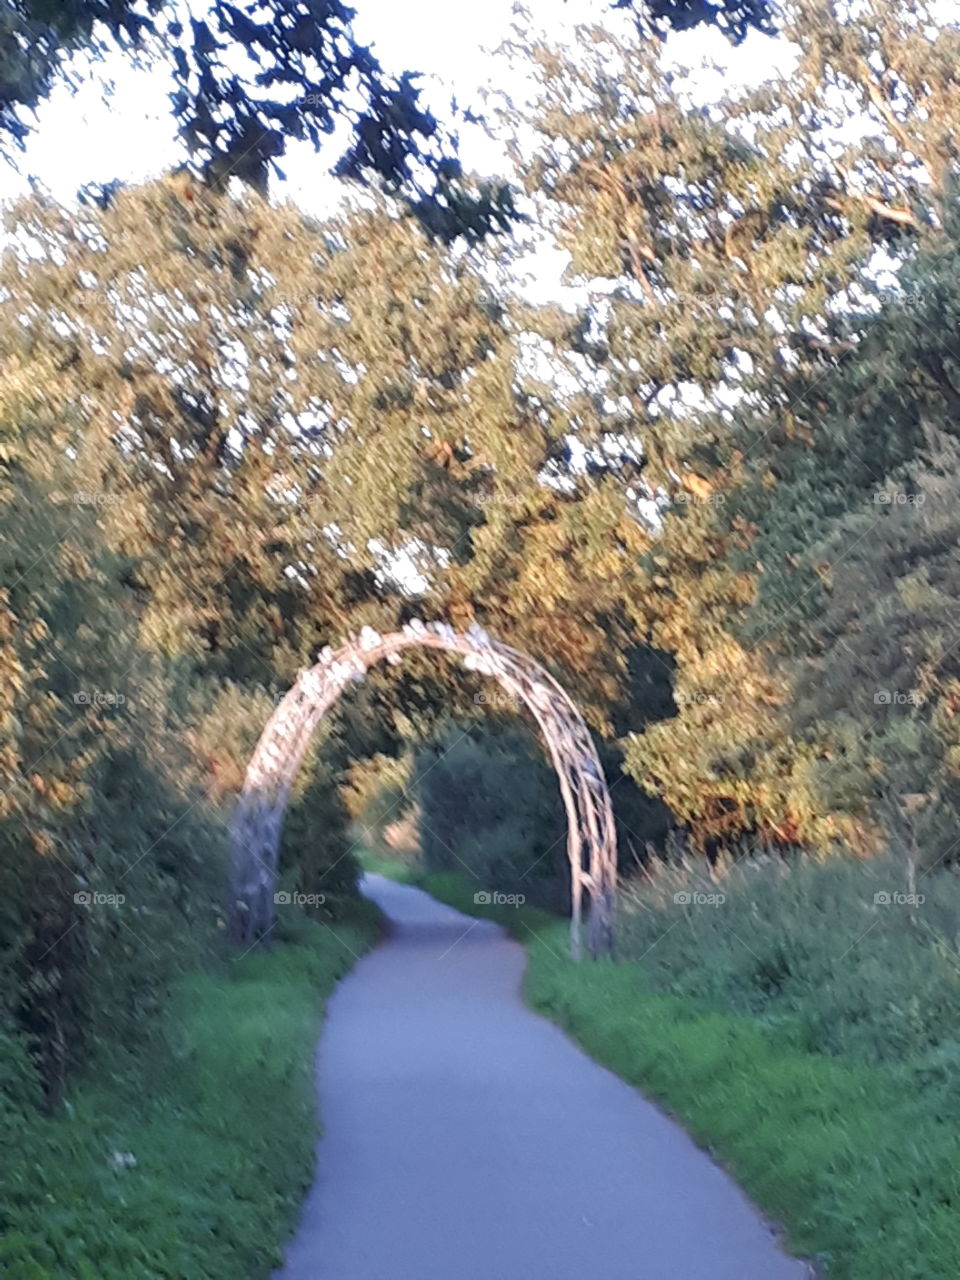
(455, 889)
(860, 1163)
(217, 1111)
(523, 922)
(403, 872)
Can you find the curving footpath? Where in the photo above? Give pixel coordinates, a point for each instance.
(466, 1138)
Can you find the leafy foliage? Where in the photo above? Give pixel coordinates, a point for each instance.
(247, 79)
(492, 806)
(717, 497)
(302, 70)
(730, 358)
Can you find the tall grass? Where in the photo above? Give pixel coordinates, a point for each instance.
(845, 956)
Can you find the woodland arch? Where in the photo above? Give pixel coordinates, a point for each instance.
(257, 822)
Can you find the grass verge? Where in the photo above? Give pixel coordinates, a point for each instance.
(394, 869)
(859, 1163)
(186, 1158)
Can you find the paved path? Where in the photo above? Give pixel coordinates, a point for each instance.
(466, 1138)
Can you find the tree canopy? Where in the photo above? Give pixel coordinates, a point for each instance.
(714, 494)
(248, 77)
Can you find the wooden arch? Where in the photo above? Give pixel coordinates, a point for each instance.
(257, 821)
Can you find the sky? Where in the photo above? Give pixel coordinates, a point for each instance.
(81, 138)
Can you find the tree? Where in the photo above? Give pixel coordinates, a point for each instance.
(288, 421)
(248, 77)
(870, 654)
(728, 251)
(489, 805)
(109, 861)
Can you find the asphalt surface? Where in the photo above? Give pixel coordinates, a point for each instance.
(466, 1138)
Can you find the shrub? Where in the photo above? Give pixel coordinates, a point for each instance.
(832, 952)
(491, 805)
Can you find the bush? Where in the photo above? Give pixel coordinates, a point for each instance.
(491, 805)
(832, 952)
(316, 853)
